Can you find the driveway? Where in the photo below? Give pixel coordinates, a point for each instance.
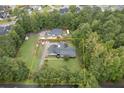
(45, 47)
(44, 53)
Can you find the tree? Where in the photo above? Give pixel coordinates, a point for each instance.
(21, 71)
(15, 39)
(7, 46)
(110, 29)
(20, 31)
(51, 76)
(119, 40)
(86, 14)
(34, 23)
(73, 8)
(79, 36)
(12, 70)
(96, 26)
(25, 22)
(87, 80)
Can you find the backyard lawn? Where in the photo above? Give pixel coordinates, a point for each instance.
(29, 53)
(57, 63)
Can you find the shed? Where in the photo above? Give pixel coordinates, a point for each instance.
(55, 32)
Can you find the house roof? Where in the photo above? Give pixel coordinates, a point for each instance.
(62, 50)
(68, 51)
(55, 32)
(78, 9)
(4, 29)
(64, 10)
(3, 14)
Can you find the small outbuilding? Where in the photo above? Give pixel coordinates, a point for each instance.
(55, 32)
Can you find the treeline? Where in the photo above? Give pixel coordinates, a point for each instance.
(49, 77)
(99, 45)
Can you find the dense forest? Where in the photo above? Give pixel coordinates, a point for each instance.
(98, 37)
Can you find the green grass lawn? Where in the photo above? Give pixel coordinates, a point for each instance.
(28, 52)
(57, 63)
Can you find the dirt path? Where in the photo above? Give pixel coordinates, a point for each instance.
(45, 47)
(44, 54)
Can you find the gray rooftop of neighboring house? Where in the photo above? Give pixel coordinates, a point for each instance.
(78, 9)
(55, 32)
(64, 10)
(111, 7)
(4, 7)
(62, 50)
(4, 29)
(4, 14)
(119, 7)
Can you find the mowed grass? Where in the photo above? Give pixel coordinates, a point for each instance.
(58, 63)
(29, 53)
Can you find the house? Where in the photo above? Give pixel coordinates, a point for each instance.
(4, 12)
(61, 49)
(111, 7)
(64, 10)
(35, 7)
(55, 33)
(78, 9)
(4, 29)
(4, 15)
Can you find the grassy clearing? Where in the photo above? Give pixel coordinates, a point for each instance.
(29, 53)
(72, 64)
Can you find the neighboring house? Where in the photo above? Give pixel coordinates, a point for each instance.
(111, 7)
(4, 29)
(78, 9)
(55, 33)
(35, 7)
(117, 7)
(4, 12)
(61, 49)
(64, 10)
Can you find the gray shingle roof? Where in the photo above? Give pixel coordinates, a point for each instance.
(55, 32)
(63, 50)
(4, 29)
(64, 10)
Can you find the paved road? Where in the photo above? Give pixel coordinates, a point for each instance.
(32, 86)
(18, 86)
(54, 86)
